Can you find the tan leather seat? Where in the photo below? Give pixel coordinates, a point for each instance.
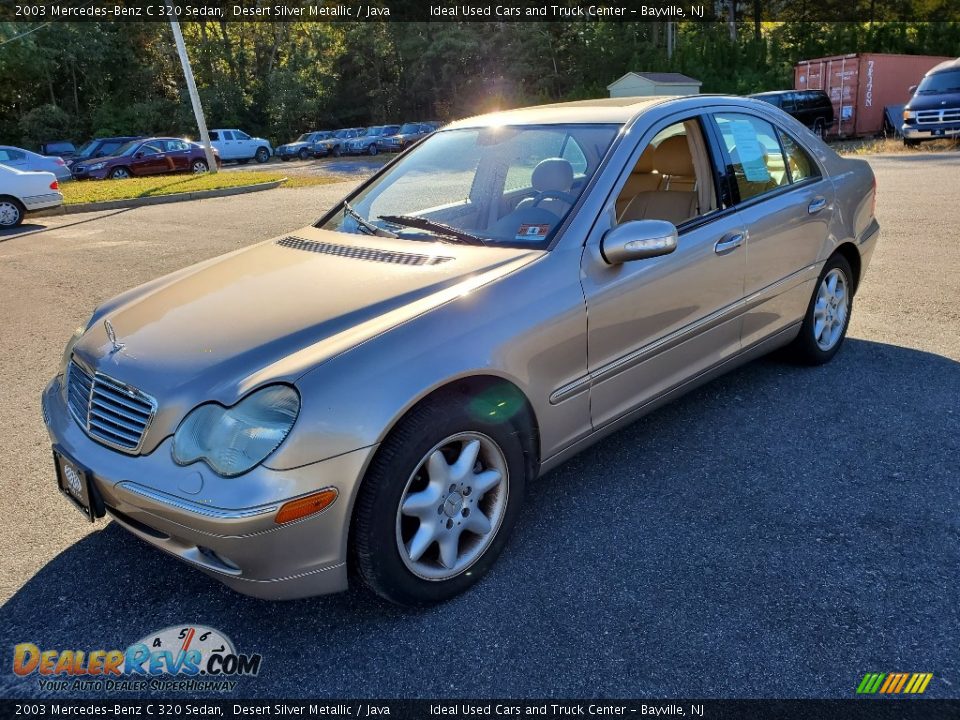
(643, 179)
(676, 198)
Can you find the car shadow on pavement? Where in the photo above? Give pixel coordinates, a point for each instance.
(777, 519)
(22, 229)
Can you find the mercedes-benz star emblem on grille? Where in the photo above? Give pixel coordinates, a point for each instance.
(112, 337)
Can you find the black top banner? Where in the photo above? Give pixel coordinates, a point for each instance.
(478, 11)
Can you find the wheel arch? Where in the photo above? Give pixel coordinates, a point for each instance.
(851, 254)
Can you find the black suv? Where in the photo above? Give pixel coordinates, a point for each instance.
(811, 107)
(934, 110)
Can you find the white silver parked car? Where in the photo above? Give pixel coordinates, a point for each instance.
(237, 145)
(21, 192)
(20, 159)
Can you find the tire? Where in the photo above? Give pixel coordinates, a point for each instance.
(120, 173)
(303, 154)
(820, 339)
(414, 461)
(12, 212)
(199, 166)
(336, 152)
(262, 155)
(818, 129)
(372, 150)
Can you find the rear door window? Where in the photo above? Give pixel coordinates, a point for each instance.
(755, 158)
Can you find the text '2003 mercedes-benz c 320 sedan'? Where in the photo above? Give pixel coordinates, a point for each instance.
(369, 396)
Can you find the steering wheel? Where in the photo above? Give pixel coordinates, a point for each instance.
(555, 194)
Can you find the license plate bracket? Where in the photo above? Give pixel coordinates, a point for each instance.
(76, 483)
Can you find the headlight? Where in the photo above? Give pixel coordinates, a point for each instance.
(68, 350)
(909, 114)
(235, 439)
(97, 166)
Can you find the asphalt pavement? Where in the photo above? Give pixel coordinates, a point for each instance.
(777, 533)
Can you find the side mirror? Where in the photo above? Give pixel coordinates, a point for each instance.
(912, 89)
(638, 240)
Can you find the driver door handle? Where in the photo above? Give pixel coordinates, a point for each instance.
(728, 243)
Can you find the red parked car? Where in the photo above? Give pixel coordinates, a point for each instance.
(146, 156)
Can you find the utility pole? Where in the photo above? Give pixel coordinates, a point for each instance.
(192, 89)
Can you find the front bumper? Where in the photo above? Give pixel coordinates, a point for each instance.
(170, 507)
(930, 132)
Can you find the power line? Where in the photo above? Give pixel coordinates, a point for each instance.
(31, 30)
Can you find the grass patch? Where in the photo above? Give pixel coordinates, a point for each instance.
(875, 146)
(90, 191)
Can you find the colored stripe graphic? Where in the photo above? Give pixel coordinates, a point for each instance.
(894, 683)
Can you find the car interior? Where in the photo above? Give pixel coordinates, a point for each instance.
(672, 180)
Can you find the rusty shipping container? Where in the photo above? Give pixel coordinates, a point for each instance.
(862, 85)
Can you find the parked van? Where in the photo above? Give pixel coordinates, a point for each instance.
(934, 110)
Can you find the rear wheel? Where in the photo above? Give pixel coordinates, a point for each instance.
(262, 155)
(303, 154)
(828, 315)
(819, 129)
(438, 503)
(336, 152)
(372, 149)
(120, 173)
(199, 166)
(11, 212)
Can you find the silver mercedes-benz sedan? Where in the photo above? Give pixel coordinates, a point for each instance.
(368, 397)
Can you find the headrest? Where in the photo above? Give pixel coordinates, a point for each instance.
(673, 157)
(552, 174)
(645, 163)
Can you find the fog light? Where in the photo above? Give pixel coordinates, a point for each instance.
(309, 505)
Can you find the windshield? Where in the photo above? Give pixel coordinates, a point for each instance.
(87, 148)
(303, 138)
(409, 129)
(341, 133)
(940, 82)
(494, 186)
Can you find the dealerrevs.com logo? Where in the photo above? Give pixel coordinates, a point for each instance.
(177, 658)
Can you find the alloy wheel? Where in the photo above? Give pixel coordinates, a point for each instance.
(199, 166)
(9, 213)
(452, 506)
(831, 309)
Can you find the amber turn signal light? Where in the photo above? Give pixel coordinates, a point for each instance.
(309, 505)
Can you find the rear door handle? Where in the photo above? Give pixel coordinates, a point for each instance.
(816, 205)
(728, 243)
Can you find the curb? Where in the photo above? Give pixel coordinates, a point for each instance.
(163, 199)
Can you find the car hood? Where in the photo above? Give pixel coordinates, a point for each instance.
(941, 101)
(298, 144)
(92, 161)
(275, 310)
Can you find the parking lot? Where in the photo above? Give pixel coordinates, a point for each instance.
(778, 532)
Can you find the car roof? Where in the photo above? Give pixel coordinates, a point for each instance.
(601, 110)
(947, 65)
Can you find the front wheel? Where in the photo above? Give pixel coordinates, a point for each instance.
(199, 166)
(262, 155)
(120, 173)
(336, 152)
(11, 212)
(372, 150)
(828, 315)
(303, 154)
(438, 502)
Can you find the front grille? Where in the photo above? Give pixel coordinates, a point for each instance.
(110, 411)
(928, 117)
(359, 253)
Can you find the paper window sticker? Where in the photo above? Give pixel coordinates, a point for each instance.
(750, 151)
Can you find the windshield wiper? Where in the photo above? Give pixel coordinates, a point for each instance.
(432, 226)
(366, 224)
